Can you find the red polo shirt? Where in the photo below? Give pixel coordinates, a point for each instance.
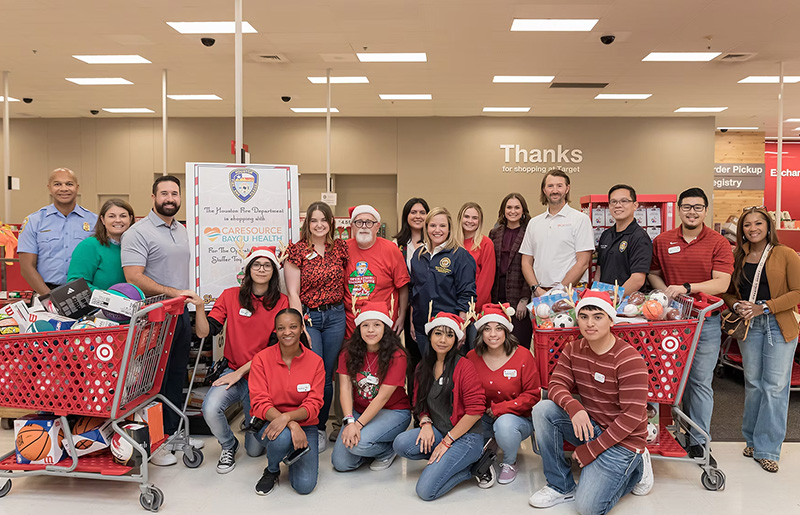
(274, 385)
(681, 262)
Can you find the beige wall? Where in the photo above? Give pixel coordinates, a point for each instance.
(446, 160)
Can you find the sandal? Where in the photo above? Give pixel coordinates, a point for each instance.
(747, 452)
(768, 465)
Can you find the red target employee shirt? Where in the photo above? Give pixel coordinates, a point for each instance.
(486, 264)
(365, 389)
(693, 262)
(274, 385)
(514, 387)
(246, 333)
(373, 275)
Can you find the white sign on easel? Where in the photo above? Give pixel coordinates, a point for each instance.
(237, 207)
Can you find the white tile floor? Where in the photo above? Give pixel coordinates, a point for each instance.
(677, 490)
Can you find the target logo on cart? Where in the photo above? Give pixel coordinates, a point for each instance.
(104, 352)
(670, 344)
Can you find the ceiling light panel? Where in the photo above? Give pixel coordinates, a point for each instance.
(210, 27)
(700, 109)
(770, 79)
(194, 97)
(623, 96)
(506, 109)
(306, 110)
(99, 81)
(681, 56)
(389, 57)
(127, 110)
(112, 59)
(425, 96)
(553, 25)
(339, 80)
(10, 99)
(524, 79)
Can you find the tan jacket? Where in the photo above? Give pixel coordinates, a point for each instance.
(783, 274)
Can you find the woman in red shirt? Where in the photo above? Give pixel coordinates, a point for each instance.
(250, 313)
(286, 385)
(315, 271)
(372, 376)
(449, 402)
(511, 382)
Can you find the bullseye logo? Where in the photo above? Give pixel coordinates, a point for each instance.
(670, 344)
(104, 352)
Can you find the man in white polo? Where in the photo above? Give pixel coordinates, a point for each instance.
(558, 243)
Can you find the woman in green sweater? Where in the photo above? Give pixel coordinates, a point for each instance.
(97, 258)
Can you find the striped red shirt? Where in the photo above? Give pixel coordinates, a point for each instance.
(681, 262)
(613, 390)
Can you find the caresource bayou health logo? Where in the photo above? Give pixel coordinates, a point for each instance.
(541, 160)
(244, 183)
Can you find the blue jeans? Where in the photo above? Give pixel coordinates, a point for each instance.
(440, 477)
(376, 439)
(603, 481)
(698, 398)
(303, 473)
(509, 431)
(767, 359)
(327, 332)
(217, 400)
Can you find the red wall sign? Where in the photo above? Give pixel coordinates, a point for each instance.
(790, 182)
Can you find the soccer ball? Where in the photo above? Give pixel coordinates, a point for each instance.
(563, 320)
(660, 297)
(652, 432)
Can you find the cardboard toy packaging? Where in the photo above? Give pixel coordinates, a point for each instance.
(153, 415)
(39, 439)
(95, 435)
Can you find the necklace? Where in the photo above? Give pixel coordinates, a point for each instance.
(374, 363)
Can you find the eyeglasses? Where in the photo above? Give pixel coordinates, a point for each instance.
(753, 208)
(697, 208)
(620, 202)
(261, 266)
(369, 224)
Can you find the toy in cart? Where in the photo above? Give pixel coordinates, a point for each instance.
(104, 375)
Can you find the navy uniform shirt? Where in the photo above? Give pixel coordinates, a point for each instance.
(52, 237)
(620, 254)
(447, 278)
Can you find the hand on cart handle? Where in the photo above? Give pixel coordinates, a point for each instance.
(582, 425)
(674, 291)
(193, 298)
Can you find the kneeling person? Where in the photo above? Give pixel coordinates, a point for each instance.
(607, 426)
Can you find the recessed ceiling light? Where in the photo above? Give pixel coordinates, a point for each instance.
(100, 81)
(426, 96)
(797, 128)
(623, 96)
(127, 110)
(314, 110)
(770, 79)
(700, 109)
(389, 57)
(791, 120)
(194, 97)
(552, 25)
(112, 59)
(210, 27)
(681, 56)
(506, 109)
(737, 128)
(10, 99)
(339, 80)
(527, 79)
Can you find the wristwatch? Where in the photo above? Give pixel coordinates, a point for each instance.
(535, 287)
(688, 288)
(766, 309)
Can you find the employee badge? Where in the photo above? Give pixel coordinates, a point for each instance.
(86, 226)
(245, 312)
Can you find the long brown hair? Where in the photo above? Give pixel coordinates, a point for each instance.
(305, 231)
(356, 349)
(100, 229)
(270, 297)
(526, 215)
(740, 253)
(509, 344)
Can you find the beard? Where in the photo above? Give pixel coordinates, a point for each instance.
(364, 238)
(167, 208)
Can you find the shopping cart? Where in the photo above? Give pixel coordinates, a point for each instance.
(103, 372)
(668, 348)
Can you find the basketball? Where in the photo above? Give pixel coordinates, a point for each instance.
(652, 310)
(41, 326)
(86, 424)
(121, 449)
(128, 291)
(33, 442)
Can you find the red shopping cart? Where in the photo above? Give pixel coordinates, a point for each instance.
(668, 348)
(104, 372)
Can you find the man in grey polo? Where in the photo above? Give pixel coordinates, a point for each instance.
(156, 258)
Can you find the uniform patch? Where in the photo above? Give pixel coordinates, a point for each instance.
(24, 223)
(623, 245)
(86, 226)
(444, 266)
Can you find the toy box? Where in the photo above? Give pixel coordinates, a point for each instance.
(153, 415)
(90, 434)
(39, 439)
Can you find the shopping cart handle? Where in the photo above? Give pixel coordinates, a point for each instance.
(174, 306)
(706, 303)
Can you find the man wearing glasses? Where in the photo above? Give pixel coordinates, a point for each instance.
(376, 270)
(625, 250)
(690, 259)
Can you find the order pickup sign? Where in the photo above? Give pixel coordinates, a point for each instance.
(739, 176)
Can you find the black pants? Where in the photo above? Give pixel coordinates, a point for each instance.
(175, 375)
(414, 356)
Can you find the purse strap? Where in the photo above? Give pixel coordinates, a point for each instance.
(759, 269)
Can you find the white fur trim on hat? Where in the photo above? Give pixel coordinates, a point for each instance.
(261, 253)
(447, 322)
(493, 317)
(365, 209)
(600, 303)
(373, 315)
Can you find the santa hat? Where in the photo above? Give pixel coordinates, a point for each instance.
(257, 252)
(500, 313)
(600, 299)
(450, 320)
(374, 311)
(364, 209)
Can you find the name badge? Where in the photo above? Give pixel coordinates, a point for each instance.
(371, 380)
(305, 387)
(245, 313)
(600, 378)
(674, 250)
(510, 373)
(312, 256)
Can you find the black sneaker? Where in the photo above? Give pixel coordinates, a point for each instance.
(267, 482)
(697, 451)
(227, 459)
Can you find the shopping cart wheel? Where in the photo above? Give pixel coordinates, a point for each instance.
(6, 488)
(152, 499)
(193, 458)
(6, 423)
(713, 480)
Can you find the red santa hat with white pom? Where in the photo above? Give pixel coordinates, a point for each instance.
(500, 313)
(375, 311)
(454, 322)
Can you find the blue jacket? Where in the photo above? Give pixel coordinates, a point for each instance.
(448, 278)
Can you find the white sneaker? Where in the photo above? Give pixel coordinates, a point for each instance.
(163, 458)
(383, 464)
(547, 497)
(322, 439)
(645, 484)
(489, 479)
